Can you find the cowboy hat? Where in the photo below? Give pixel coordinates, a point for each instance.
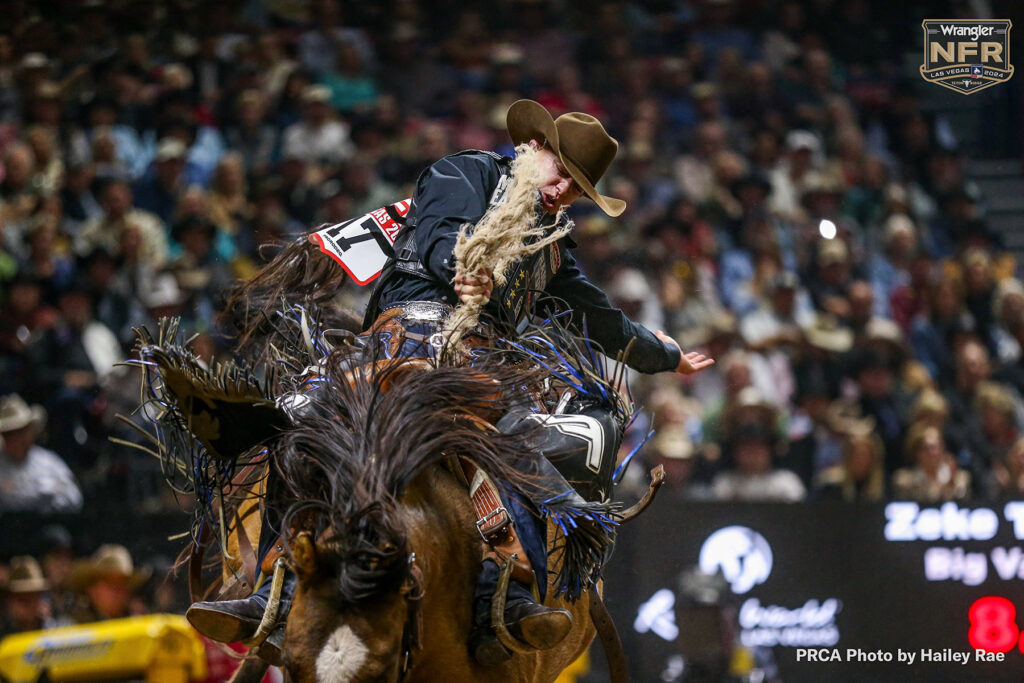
(108, 560)
(26, 576)
(828, 335)
(580, 141)
(15, 414)
(672, 443)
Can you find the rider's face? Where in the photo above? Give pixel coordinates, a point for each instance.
(557, 187)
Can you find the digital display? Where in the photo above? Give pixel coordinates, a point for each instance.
(827, 591)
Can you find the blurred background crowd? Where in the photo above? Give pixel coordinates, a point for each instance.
(794, 211)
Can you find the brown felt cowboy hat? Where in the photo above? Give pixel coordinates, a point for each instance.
(111, 560)
(580, 141)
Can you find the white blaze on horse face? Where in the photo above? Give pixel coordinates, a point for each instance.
(342, 657)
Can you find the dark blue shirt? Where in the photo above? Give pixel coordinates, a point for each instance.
(457, 190)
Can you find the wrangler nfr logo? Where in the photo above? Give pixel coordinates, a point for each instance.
(966, 55)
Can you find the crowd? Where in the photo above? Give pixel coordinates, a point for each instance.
(57, 588)
(792, 210)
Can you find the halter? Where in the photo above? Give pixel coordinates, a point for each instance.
(413, 591)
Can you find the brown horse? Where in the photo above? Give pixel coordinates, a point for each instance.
(383, 538)
(381, 533)
(332, 642)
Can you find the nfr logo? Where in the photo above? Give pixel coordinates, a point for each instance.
(741, 554)
(966, 55)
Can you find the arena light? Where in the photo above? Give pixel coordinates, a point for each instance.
(827, 228)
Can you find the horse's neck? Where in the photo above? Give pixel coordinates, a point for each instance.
(440, 524)
(442, 533)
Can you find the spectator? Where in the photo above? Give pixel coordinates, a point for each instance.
(815, 443)
(31, 477)
(860, 477)
(883, 400)
(996, 413)
(43, 262)
(318, 138)
(789, 177)
(695, 172)
(56, 557)
(124, 230)
(105, 583)
(1009, 473)
(352, 88)
(160, 190)
(252, 136)
(328, 30)
(973, 371)
(779, 323)
(25, 598)
(830, 284)
(73, 361)
(933, 332)
(227, 200)
(1008, 308)
(980, 295)
(934, 475)
(890, 270)
(749, 474)
(672, 449)
(21, 195)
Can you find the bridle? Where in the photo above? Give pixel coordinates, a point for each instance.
(412, 591)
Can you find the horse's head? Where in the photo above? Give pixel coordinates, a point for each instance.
(346, 472)
(335, 634)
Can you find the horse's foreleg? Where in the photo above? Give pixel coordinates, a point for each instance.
(251, 671)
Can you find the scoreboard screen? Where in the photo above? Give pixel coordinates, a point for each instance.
(825, 591)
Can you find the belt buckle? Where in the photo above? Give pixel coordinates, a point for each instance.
(424, 311)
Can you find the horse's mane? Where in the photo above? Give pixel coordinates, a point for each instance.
(358, 446)
(298, 275)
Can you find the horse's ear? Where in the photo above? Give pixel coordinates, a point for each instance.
(304, 554)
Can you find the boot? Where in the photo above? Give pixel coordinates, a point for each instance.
(230, 621)
(532, 624)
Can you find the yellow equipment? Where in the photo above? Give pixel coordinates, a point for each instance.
(160, 648)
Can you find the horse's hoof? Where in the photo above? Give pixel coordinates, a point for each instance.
(541, 628)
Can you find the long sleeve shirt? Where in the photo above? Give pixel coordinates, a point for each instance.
(458, 190)
(41, 483)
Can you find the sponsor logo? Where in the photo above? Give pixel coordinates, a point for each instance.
(966, 55)
(741, 554)
(744, 559)
(53, 651)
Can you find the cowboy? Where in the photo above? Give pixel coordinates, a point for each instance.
(105, 582)
(31, 477)
(25, 598)
(420, 286)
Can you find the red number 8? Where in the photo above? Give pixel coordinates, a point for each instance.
(992, 625)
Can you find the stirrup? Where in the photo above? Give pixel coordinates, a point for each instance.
(269, 620)
(498, 609)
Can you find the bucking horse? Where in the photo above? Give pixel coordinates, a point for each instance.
(361, 459)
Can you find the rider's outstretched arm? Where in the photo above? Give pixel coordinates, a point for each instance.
(607, 325)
